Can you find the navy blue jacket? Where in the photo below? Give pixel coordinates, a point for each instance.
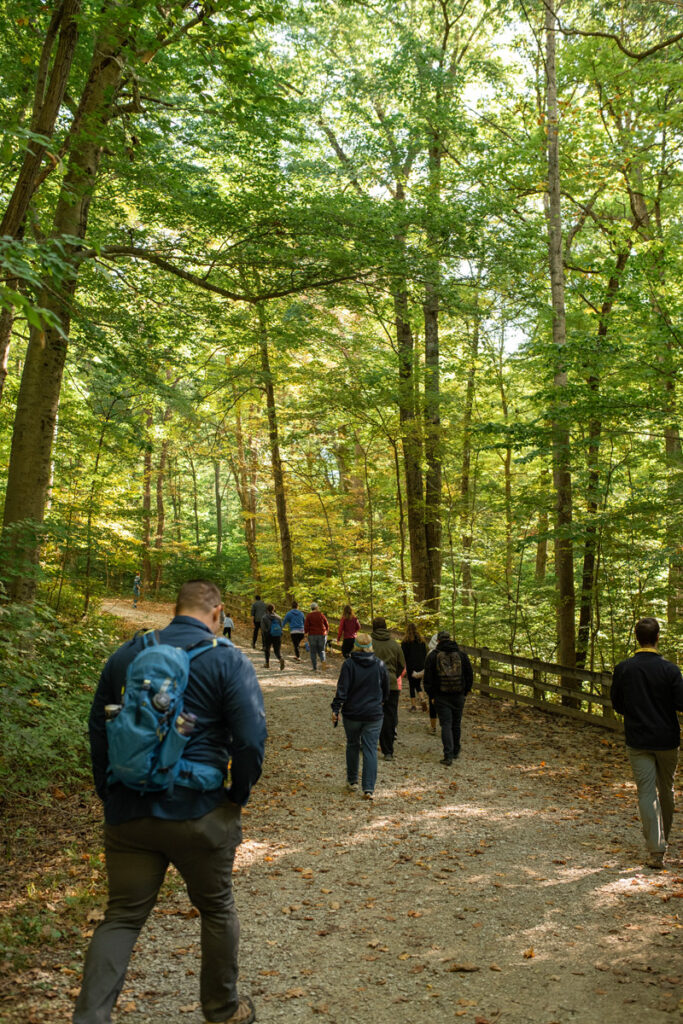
(223, 692)
(647, 690)
(362, 687)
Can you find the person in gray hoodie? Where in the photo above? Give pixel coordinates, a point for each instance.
(389, 650)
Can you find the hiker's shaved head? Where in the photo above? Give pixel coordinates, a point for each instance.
(198, 595)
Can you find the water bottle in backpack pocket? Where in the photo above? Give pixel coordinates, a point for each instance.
(147, 737)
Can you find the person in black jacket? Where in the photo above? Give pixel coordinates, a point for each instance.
(648, 690)
(362, 691)
(448, 679)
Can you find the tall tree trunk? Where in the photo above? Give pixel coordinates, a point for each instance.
(593, 486)
(195, 501)
(49, 93)
(276, 460)
(38, 400)
(433, 450)
(542, 529)
(147, 504)
(560, 413)
(244, 472)
(91, 501)
(219, 507)
(161, 515)
(6, 324)
(432, 398)
(465, 473)
(412, 446)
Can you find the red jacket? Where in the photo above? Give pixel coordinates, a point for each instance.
(348, 628)
(315, 624)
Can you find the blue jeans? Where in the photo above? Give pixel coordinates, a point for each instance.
(362, 736)
(317, 648)
(449, 708)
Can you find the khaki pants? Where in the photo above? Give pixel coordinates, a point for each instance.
(654, 772)
(138, 854)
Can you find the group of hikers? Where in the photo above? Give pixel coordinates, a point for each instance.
(183, 702)
(371, 679)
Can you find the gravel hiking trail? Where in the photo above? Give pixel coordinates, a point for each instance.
(509, 887)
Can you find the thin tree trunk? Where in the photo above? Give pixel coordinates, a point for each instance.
(465, 481)
(276, 460)
(195, 501)
(91, 499)
(219, 507)
(542, 530)
(412, 446)
(161, 514)
(560, 413)
(245, 482)
(147, 504)
(593, 486)
(401, 530)
(433, 450)
(6, 324)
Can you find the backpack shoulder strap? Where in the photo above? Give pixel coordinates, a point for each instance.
(207, 645)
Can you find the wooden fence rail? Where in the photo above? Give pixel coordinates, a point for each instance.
(543, 684)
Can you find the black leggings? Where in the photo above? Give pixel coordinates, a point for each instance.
(274, 642)
(347, 645)
(296, 640)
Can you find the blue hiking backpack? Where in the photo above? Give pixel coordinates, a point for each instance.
(144, 742)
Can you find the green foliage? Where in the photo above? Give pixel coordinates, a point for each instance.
(49, 668)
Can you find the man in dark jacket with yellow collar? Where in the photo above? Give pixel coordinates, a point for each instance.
(648, 690)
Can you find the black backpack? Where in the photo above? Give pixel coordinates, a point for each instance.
(449, 671)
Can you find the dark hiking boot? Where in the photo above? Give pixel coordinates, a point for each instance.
(244, 1014)
(446, 761)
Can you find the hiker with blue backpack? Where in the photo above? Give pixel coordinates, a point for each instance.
(171, 709)
(271, 632)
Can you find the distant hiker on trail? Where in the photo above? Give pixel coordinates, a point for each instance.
(295, 620)
(433, 720)
(137, 587)
(414, 651)
(389, 650)
(228, 626)
(448, 679)
(316, 628)
(362, 689)
(648, 690)
(193, 824)
(271, 630)
(348, 627)
(258, 610)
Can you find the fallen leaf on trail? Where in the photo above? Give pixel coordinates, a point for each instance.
(294, 993)
(129, 1008)
(414, 913)
(529, 953)
(190, 1008)
(95, 915)
(465, 968)
(404, 956)
(58, 794)
(495, 967)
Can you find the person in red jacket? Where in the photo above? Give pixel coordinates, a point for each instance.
(316, 628)
(349, 626)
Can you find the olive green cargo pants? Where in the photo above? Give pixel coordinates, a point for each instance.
(137, 856)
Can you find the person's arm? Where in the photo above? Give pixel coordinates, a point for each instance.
(467, 673)
(306, 624)
(400, 661)
(428, 678)
(246, 720)
(286, 621)
(342, 691)
(384, 680)
(326, 625)
(677, 687)
(616, 692)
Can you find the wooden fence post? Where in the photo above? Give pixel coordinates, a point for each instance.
(484, 669)
(539, 692)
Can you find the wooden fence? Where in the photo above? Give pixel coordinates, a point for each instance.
(543, 684)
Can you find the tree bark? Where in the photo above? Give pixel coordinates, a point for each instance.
(276, 460)
(38, 400)
(49, 93)
(465, 473)
(219, 507)
(147, 505)
(593, 486)
(562, 477)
